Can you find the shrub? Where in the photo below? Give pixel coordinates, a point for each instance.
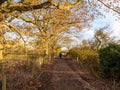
(110, 60)
(87, 57)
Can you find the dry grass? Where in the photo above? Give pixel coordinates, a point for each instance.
(20, 74)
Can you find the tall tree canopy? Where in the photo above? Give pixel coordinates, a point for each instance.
(46, 20)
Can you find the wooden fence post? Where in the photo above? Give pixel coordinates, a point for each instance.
(3, 78)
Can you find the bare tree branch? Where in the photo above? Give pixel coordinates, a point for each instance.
(109, 7)
(23, 7)
(12, 28)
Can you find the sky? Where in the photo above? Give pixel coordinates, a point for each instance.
(88, 33)
(109, 19)
(99, 23)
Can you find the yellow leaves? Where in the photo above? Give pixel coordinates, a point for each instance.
(63, 7)
(86, 55)
(1, 46)
(28, 20)
(14, 5)
(32, 5)
(32, 1)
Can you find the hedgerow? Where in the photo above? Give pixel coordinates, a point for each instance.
(85, 57)
(110, 60)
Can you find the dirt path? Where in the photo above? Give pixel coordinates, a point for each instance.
(59, 74)
(63, 77)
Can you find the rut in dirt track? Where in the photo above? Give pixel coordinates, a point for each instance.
(65, 78)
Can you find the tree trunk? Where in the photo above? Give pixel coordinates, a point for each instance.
(3, 82)
(1, 54)
(1, 51)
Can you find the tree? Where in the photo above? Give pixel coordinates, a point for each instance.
(110, 5)
(46, 25)
(41, 15)
(23, 6)
(66, 42)
(101, 39)
(109, 60)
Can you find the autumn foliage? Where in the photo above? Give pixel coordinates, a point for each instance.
(86, 57)
(20, 77)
